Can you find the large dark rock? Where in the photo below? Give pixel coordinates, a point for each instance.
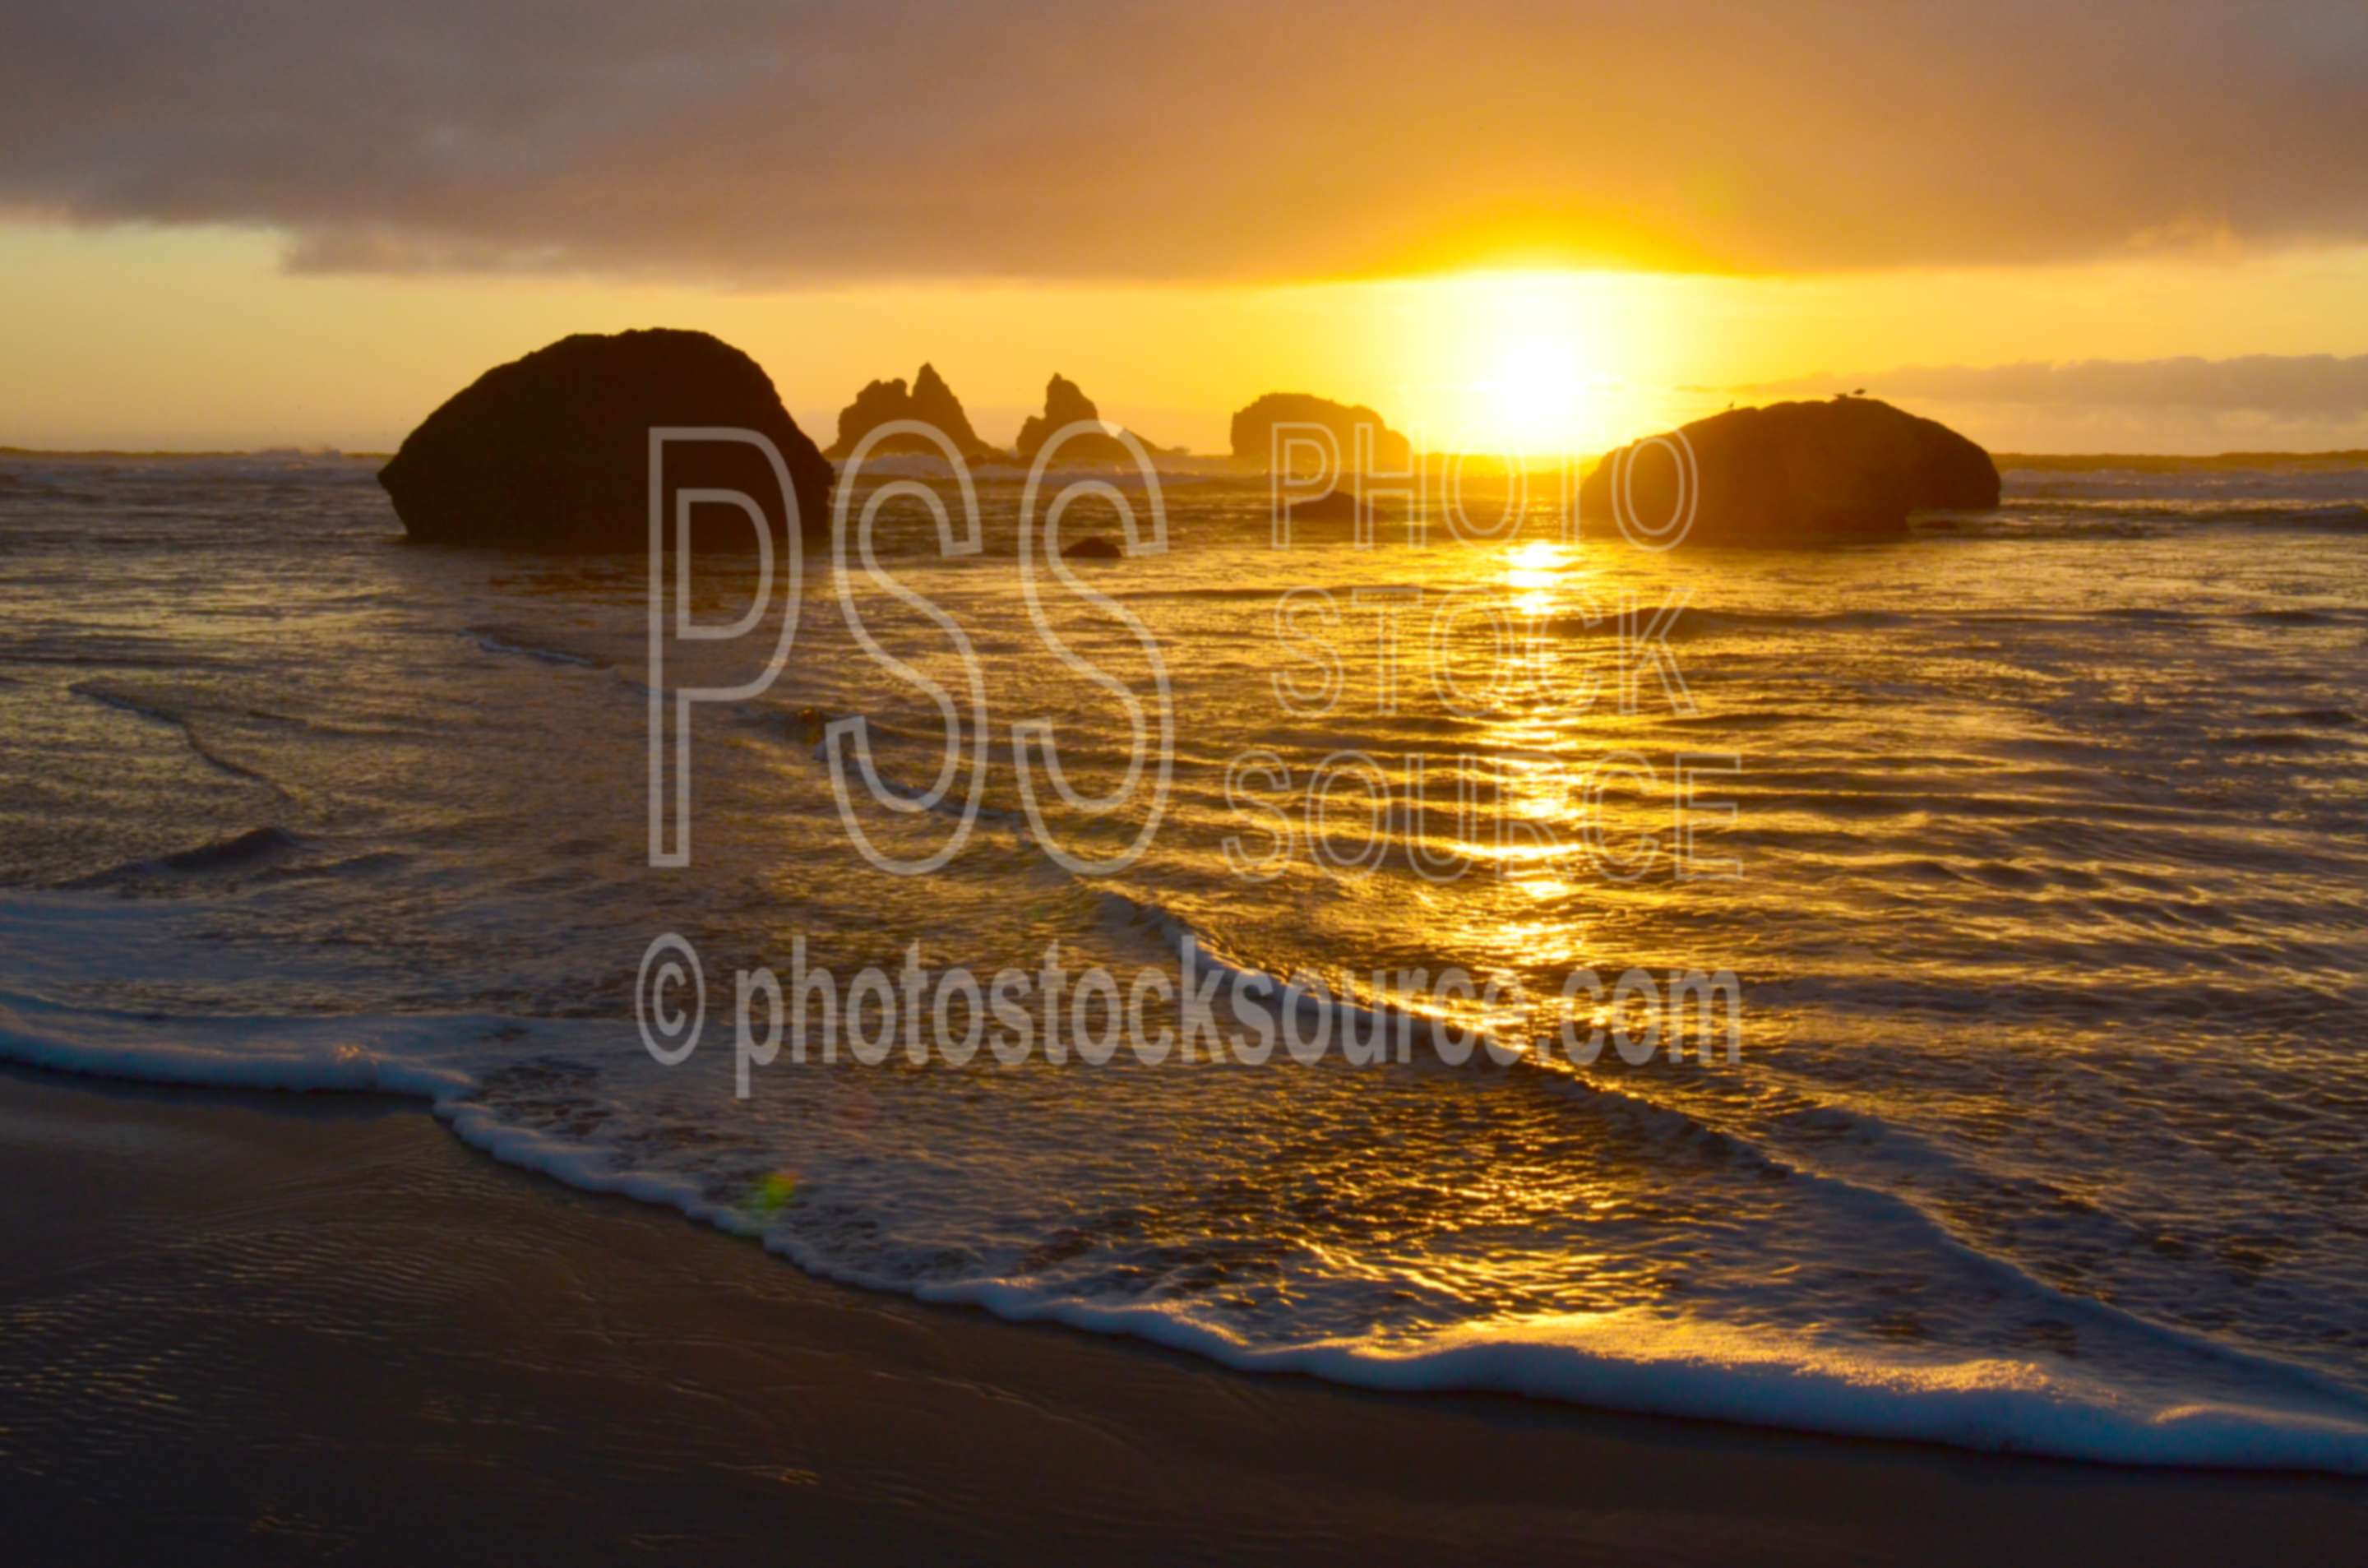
(930, 400)
(1253, 430)
(551, 451)
(1064, 405)
(1846, 470)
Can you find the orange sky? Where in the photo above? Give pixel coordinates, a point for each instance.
(199, 338)
(1506, 225)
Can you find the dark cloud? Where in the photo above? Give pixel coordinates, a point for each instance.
(2306, 386)
(769, 142)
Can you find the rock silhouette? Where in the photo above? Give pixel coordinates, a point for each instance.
(930, 400)
(875, 406)
(553, 451)
(934, 404)
(1064, 405)
(1094, 547)
(1847, 470)
(1253, 431)
(1337, 505)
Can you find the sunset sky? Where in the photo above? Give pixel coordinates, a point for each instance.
(1504, 224)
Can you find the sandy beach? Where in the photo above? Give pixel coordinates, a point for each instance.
(276, 1328)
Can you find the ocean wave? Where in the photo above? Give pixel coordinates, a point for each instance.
(2001, 525)
(1347, 1014)
(1902, 1088)
(2184, 479)
(156, 712)
(260, 855)
(1692, 622)
(1634, 1362)
(2318, 718)
(1629, 1361)
(337, 1054)
(494, 640)
(2107, 506)
(2086, 516)
(1894, 1194)
(2331, 519)
(2292, 614)
(251, 850)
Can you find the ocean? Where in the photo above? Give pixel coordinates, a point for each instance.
(2014, 877)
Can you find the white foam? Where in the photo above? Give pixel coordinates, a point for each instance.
(335, 1054)
(1629, 1361)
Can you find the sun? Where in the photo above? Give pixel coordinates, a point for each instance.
(1533, 365)
(1530, 398)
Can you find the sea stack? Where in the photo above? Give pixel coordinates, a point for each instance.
(930, 400)
(1064, 405)
(1382, 448)
(553, 451)
(1840, 471)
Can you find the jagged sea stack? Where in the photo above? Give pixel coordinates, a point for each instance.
(929, 400)
(1064, 405)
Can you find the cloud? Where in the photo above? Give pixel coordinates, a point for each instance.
(1115, 139)
(2274, 387)
(2262, 402)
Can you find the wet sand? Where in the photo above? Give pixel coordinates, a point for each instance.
(264, 1328)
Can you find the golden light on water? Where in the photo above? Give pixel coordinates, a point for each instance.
(1533, 574)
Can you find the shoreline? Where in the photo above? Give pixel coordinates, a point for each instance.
(251, 1326)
